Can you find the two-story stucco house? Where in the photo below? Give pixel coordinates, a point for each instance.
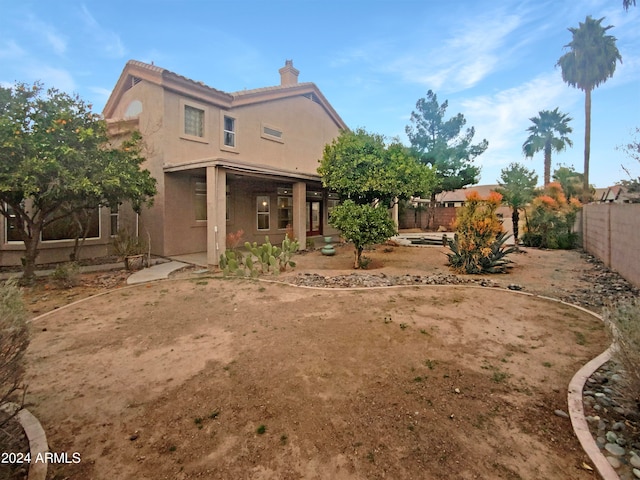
(227, 161)
(224, 162)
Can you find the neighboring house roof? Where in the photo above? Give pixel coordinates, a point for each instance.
(136, 71)
(600, 194)
(617, 194)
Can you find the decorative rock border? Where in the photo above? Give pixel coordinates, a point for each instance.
(37, 440)
(578, 420)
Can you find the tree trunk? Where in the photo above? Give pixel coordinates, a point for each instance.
(358, 254)
(29, 259)
(431, 212)
(81, 233)
(547, 164)
(586, 194)
(515, 219)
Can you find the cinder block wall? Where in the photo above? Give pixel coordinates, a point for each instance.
(417, 218)
(611, 232)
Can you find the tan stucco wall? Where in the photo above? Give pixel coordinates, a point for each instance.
(305, 125)
(183, 233)
(306, 129)
(610, 232)
(152, 125)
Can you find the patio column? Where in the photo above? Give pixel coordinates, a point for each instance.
(216, 214)
(300, 213)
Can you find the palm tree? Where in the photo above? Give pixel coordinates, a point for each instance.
(548, 132)
(627, 3)
(590, 62)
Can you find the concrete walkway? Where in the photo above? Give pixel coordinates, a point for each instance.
(160, 269)
(156, 272)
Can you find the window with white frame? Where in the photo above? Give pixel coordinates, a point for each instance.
(193, 121)
(333, 200)
(67, 228)
(263, 212)
(200, 200)
(285, 212)
(271, 133)
(85, 223)
(229, 131)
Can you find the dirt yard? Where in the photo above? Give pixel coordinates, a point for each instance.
(237, 379)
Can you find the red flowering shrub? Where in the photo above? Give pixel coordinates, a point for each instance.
(478, 245)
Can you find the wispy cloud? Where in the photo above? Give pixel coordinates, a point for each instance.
(51, 77)
(56, 41)
(108, 40)
(471, 50)
(10, 49)
(502, 118)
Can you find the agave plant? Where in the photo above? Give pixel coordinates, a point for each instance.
(491, 259)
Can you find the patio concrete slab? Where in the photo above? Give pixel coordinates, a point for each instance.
(156, 272)
(199, 259)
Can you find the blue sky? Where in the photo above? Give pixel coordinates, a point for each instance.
(493, 60)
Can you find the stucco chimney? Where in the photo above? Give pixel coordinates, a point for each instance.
(288, 74)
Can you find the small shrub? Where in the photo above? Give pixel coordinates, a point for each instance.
(125, 244)
(66, 275)
(14, 340)
(259, 259)
(624, 322)
(234, 240)
(289, 233)
(550, 220)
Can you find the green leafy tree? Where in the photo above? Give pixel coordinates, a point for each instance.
(368, 175)
(359, 166)
(56, 159)
(591, 60)
(548, 133)
(363, 225)
(632, 149)
(444, 144)
(570, 181)
(632, 185)
(517, 187)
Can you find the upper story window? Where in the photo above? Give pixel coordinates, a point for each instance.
(271, 133)
(193, 121)
(229, 131)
